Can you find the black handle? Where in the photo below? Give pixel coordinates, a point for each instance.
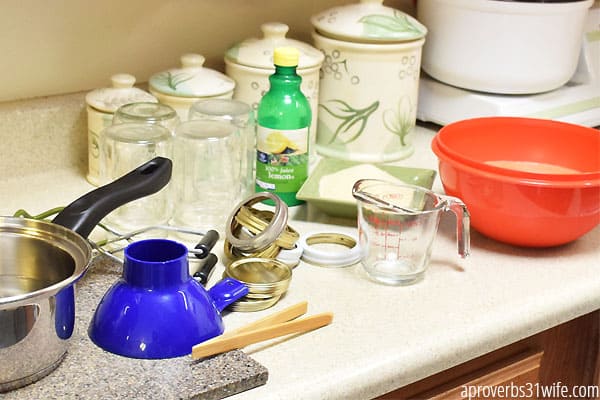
(206, 270)
(206, 244)
(85, 213)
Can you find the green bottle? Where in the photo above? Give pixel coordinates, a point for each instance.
(283, 120)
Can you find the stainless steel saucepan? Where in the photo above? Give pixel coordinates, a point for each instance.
(40, 262)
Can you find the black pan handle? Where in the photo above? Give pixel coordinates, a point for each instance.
(207, 268)
(85, 213)
(206, 244)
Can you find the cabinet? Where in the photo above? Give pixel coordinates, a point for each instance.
(567, 355)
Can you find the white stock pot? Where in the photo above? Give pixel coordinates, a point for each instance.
(504, 47)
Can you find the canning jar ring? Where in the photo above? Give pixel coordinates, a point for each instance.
(263, 239)
(234, 253)
(257, 221)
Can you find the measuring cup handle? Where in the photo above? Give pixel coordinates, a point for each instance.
(463, 219)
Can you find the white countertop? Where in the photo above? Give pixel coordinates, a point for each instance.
(385, 337)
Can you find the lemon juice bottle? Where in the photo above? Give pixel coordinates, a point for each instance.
(283, 120)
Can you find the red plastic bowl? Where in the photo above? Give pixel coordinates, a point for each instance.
(530, 209)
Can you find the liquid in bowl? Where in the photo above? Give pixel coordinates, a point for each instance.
(532, 166)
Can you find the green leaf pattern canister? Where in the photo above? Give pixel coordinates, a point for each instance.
(181, 87)
(369, 81)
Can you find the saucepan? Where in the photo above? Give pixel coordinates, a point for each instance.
(40, 262)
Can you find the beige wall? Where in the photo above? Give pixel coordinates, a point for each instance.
(64, 46)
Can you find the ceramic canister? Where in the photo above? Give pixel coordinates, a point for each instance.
(250, 63)
(369, 81)
(101, 106)
(182, 87)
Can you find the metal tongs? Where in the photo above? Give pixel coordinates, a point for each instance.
(278, 324)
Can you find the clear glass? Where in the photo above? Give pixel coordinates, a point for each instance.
(125, 147)
(397, 226)
(147, 113)
(283, 120)
(240, 115)
(206, 173)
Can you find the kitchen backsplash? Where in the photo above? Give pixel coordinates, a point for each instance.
(43, 133)
(49, 49)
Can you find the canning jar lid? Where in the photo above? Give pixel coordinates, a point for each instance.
(121, 92)
(368, 21)
(191, 80)
(258, 53)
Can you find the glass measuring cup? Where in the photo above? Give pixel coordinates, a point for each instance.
(397, 225)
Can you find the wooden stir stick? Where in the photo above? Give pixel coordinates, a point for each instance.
(287, 314)
(264, 329)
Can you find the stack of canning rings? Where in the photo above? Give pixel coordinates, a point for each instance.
(263, 249)
(254, 241)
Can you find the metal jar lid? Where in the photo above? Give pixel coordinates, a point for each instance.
(192, 80)
(249, 305)
(368, 21)
(258, 53)
(261, 275)
(267, 280)
(122, 92)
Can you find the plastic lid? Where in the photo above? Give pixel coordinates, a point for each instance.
(191, 80)
(347, 250)
(286, 56)
(258, 53)
(368, 22)
(290, 257)
(122, 92)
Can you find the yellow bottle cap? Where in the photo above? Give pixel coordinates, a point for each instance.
(286, 56)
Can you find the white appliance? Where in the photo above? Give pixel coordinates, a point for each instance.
(577, 102)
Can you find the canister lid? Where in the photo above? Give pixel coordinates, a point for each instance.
(258, 53)
(191, 80)
(368, 21)
(122, 92)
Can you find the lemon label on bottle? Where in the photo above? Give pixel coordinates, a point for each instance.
(281, 159)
